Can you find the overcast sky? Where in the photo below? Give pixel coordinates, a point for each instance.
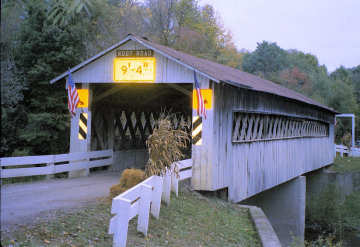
(329, 29)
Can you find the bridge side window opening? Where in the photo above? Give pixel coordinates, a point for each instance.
(253, 126)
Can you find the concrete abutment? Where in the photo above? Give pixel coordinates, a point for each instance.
(284, 205)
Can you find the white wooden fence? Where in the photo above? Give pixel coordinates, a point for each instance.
(53, 164)
(341, 149)
(355, 152)
(143, 199)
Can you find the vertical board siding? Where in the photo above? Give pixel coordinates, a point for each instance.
(203, 168)
(101, 70)
(249, 168)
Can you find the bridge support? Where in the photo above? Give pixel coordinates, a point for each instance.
(284, 205)
(80, 134)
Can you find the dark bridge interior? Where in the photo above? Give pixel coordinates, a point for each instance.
(124, 114)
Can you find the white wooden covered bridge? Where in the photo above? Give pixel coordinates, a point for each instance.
(257, 134)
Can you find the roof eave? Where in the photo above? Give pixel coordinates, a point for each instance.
(129, 37)
(176, 60)
(79, 66)
(242, 86)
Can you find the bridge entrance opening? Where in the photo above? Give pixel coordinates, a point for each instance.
(124, 115)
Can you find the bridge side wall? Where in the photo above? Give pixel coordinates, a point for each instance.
(252, 167)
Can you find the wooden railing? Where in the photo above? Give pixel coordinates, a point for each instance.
(341, 149)
(143, 199)
(52, 164)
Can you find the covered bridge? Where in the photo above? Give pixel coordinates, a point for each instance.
(257, 134)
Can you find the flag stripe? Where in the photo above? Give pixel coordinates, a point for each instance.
(201, 111)
(73, 96)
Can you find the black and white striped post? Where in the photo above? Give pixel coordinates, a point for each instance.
(196, 130)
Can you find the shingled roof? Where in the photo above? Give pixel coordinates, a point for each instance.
(215, 71)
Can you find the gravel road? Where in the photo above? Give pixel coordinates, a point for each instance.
(23, 203)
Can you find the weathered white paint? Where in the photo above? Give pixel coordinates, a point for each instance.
(341, 149)
(167, 71)
(249, 168)
(201, 154)
(77, 145)
(355, 152)
(77, 161)
(184, 172)
(166, 190)
(122, 43)
(141, 200)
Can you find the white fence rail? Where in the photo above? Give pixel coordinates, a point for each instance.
(143, 199)
(355, 152)
(341, 149)
(53, 164)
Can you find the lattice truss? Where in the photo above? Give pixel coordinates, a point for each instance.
(133, 128)
(249, 127)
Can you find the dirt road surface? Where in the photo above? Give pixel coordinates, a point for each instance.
(24, 203)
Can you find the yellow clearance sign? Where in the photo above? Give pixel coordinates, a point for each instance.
(83, 98)
(134, 69)
(207, 96)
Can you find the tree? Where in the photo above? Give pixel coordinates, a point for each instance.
(44, 51)
(161, 23)
(266, 59)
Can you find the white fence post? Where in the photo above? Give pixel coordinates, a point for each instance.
(141, 200)
(156, 196)
(166, 188)
(184, 172)
(51, 166)
(144, 208)
(175, 183)
(120, 223)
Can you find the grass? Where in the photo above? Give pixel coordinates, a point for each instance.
(346, 164)
(189, 220)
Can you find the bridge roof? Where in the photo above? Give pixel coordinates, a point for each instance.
(214, 71)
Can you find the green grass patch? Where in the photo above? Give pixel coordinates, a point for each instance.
(189, 220)
(346, 164)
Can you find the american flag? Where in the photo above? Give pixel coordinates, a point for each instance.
(73, 97)
(201, 111)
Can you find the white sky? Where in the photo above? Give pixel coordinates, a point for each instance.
(329, 29)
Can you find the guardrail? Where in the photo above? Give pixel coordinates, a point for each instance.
(143, 199)
(52, 164)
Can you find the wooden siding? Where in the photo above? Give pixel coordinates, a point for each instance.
(201, 154)
(167, 71)
(249, 168)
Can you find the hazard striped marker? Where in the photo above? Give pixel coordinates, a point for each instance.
(196, 130)
(83, 126)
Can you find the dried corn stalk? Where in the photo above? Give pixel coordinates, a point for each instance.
(166, 145)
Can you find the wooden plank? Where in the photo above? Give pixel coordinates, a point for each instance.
(25, 172)
(184, 164)
(99, 163)
(27, 160)
(71, 167)
(102, 153)
(185, 174)
(144, 208)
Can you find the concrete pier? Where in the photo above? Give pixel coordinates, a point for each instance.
(284, 205)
